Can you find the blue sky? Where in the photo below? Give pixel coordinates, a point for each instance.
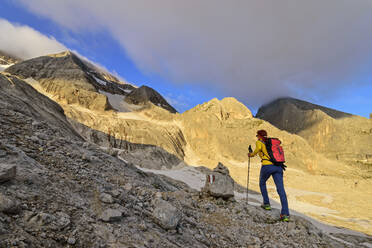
(192, 57)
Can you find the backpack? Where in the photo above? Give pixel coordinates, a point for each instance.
(275, 151)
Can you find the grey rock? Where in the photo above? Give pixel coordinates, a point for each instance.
(219, 183)
(2, 153)
(9, 205)
(106, 198)
(115, 193)
(46, 221)
(128, 186)
(111, 215)
(63, 220)
(112, 152)
(7, 172)
(220, 168)
(71, 241)
(36, 221)
(4, 229)
(166, 215)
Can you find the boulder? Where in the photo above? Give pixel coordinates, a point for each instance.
(7, 172)
(46, 222)
(219, 183)
(110, 215)
(106, 198)
(166, 215)
(8, 205)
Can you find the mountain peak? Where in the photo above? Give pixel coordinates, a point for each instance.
(226, 108)
(61, 54)
(294, 115)
(145, 94)
(284, 102)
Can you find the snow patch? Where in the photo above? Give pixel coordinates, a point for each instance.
(100, 81)
(116, 101)
(126, 90)
(3, 67)
(189, 175)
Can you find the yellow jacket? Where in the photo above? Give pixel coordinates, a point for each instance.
(262, 152)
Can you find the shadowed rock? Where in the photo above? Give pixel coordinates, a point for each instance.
(7, 172)
(292, 115)
(145, 94)
(111, 215)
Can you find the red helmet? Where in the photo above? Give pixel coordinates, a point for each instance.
(262, 133)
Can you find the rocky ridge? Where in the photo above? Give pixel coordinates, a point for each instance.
(73, 80)
(70, 193)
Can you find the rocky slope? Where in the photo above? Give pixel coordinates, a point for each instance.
(70, 193)
(337, 135)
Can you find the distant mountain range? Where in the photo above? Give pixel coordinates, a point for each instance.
(79, 81)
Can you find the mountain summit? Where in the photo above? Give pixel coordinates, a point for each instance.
(145, 94)
(293, 115)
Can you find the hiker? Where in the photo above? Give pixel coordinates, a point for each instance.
(269, 169)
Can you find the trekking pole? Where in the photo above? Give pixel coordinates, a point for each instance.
(249, 165)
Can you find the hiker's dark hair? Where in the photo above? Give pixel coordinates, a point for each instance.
(262, 133)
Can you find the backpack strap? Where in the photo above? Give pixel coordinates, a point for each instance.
(264, 153)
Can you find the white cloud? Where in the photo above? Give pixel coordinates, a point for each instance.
(25, 42)
(251, 49)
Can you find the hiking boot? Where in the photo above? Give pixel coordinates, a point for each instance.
(284, 218)
(266, 206)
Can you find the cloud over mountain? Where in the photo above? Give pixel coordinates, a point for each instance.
(254, 50)
(26, 42)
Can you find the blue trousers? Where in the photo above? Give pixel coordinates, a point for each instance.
(277, 173)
